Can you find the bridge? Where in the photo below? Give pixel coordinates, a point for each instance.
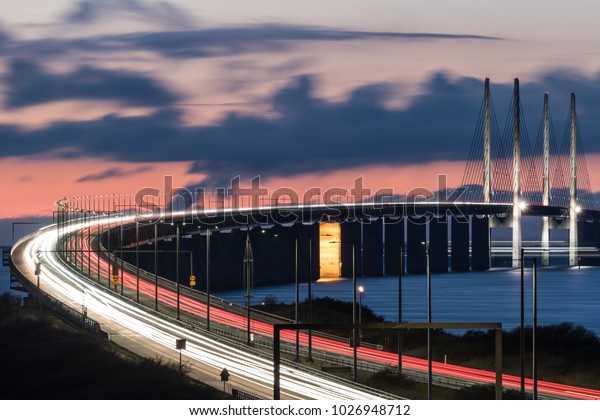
(129, 244)
(506, 180)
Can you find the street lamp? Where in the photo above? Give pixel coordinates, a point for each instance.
(354, 339)
(248, 274)
(310, 359)
(429, 361)
(400, 273)
(361, 290)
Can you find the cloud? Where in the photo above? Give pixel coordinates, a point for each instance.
(27, 84)
(260, 38)
(222, 41)
(113, 173)
(309, 134)
(4, 38)
(90, 11)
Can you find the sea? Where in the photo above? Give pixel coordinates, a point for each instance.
(563, 295)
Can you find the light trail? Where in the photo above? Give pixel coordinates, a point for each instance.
(58, 280)
(229, 319)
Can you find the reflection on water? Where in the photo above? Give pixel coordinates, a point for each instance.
(564, 294)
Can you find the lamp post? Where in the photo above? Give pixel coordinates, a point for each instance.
(156, 266)
(534, 333)
(354, 343)
(248, 271)
(208, 279)
(361, 290)
(297, 358)
(429, 362)
(522, 326)
(137, 264)
(400, 273)
(177, 266)
(354, 339)
(310, 359)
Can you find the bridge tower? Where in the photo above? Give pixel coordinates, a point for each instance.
(487, 181)
(517, 203)
(573, 208)
(546, 182)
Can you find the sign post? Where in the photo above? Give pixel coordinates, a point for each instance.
(180, 344)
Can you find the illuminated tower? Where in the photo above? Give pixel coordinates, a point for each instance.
(517, 203)
(546, 184)
(573, 208)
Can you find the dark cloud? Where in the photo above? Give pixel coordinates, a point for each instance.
(311, 134)
(29, 84)
(224, 41)
(89, 11)
(113, 173)
(4, 38)
(240, 40)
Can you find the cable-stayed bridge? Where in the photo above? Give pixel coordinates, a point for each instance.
(129, 245)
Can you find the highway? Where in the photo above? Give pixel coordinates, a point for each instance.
(149, 331)
(151, 336)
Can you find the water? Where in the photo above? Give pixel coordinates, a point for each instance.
(564, 295)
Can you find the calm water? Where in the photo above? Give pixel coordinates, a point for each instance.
(564, 294)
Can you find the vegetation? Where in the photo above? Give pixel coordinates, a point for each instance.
(567, 353)
(42, 357)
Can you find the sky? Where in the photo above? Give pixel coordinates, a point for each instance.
(111, 96)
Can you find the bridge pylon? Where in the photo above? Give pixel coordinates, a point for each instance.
(546, 182)
(517, 200)
(573, 207)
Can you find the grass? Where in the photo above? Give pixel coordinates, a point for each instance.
(42, 357)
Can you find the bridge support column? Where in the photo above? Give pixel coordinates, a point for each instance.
(394, 235)
(459, 243)
(480, 243)
(351, 233)
(438, 244)
(372, 249)
(416, 245)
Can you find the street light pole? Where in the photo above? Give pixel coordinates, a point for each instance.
(208, 279)
(400, 273)
(361, 290)
(177, 266)
(248, 261)
(310, 359)
(137, 261)
(522, 325)
(156, 266)
(354, 342)
(297, 359)
(429, 362)
(534, 333)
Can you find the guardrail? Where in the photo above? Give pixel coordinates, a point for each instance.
(64, 311)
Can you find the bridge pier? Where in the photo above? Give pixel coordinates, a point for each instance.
(372, 247)
(459, 243)
(394, 236)
(438, 244)
(416, 245)
(480, 243)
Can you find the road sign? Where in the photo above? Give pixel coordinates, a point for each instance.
(180, 344)
(224, 375)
